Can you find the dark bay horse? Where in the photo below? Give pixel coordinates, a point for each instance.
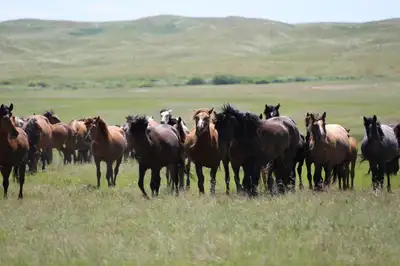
(271, 111)
(329, 148)
(14, 146)
(167, 118)
(202, 147)
(108, 145)
(156, 147)
(39, 131)
(381, 148)
(259, 141)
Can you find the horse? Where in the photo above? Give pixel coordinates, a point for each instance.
(63, 138)
(380, 147)
(108, 145)
(329, 148)
(82, 146)
(259, 142)
(352, 160)
(202, 147)
(167, 118)
(14, 146)
(156, 147)
(271, 111)
(39, 131)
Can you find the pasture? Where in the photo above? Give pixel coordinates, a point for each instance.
(63, 220)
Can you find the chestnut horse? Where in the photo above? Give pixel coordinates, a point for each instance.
(108, 145)
(39, 131)
(202, 147)
(156, 147)
(63, 138)
(14, 146)
(329, 148)
(82, 146)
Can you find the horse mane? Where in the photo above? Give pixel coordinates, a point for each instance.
(163, 110)
(138, 123)
(182, 134)
(32, 129)
(103, 127)
(48, 113)
(250, 122)
(368, 123)
(129, 118)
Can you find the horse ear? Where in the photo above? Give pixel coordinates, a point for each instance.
(11, 107)
(2, 106)
(374, 117)
(277, 107)
(260, 116)
(323, 116)
(170, 111)
(308, 114)
(210, 111)
(312, 117)
(179, 119)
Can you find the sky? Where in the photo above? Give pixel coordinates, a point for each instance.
(290, 11)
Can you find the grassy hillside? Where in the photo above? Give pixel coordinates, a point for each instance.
(173, 47)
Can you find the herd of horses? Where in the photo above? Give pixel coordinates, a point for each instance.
(268, 145)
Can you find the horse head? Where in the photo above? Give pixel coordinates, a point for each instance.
(271, 111)
(317, 126)
(7, 122)
(165, 116)
(373, 128)
(202, 118)
(53, 118)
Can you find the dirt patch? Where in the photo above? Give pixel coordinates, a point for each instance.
(342, 87)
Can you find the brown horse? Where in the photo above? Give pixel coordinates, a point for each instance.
(156, 147)
(329, 148)
(352, 161)
(39, 131)
(108, 144)
(202, 147)
(82, 146)
(63, 138)
(14, 146)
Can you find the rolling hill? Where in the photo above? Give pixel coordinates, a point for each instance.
(176, 46)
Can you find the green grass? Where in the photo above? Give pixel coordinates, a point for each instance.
(63, 220)
(172, 49)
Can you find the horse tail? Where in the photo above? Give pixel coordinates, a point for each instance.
(32, 130)
(181, 131)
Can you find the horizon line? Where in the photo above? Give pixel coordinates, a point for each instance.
(199, 17)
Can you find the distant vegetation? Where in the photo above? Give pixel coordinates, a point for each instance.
(172, 50)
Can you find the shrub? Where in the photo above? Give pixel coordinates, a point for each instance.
(225, 80)
(196, 81)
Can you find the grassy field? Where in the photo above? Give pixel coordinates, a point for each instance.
(63, 220)
(114, 69)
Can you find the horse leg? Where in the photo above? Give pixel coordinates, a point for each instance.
(15, 174)
(116, 170)
(352, 173)
(200, 177)
(388, 173)
(188, 173)
(43, 159)
(213, 173)
(237, 179)
(309, 175)
(98, 172)
(317, 177)
(374, 170)
(155, 174)
(5, 172)
(269, 182)
(167, 176)
(300, 164)
(176, 173)
(225, 162)
(142, 172)
(21, 177)
(109, 173)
